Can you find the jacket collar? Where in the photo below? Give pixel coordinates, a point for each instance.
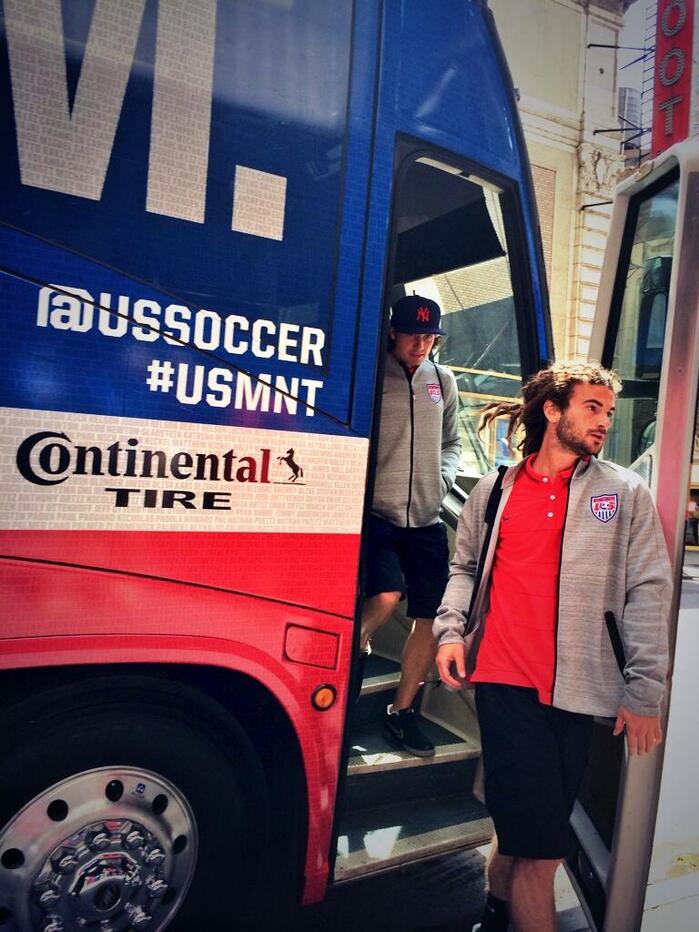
(581, 468)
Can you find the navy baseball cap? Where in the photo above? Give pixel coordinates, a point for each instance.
(414, 314)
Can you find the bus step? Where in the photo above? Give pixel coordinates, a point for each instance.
(372, 752)
(419, 782)
(377, 665)
(380, 683)
(380, 674)
(377, 770)
(375, 839)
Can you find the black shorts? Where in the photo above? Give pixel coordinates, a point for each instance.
(412, 561)
(534, 757)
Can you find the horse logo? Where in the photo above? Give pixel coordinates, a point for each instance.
(296, 470)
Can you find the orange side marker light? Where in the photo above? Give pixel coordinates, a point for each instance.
(323, 697)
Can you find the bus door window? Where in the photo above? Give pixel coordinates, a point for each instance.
(452, 244)
(637, 324)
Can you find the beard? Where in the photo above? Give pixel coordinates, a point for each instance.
(573, 441)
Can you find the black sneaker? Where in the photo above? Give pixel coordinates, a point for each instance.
(400, 728)
(496, 916)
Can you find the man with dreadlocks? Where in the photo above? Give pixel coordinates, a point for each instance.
(556, 609)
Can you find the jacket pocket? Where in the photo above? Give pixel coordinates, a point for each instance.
(615, 638)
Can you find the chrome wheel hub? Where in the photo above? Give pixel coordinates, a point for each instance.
(112, 849)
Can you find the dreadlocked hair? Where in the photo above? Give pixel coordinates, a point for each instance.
(554, 384)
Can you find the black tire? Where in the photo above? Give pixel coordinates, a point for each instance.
(180, 735)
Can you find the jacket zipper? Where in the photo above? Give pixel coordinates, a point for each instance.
(558, 589)
(409, 377)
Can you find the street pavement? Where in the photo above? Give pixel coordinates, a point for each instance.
(443, 894)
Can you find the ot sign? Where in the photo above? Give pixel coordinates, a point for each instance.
(673, 73)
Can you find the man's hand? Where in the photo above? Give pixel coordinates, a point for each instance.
(643, 732)
(451, 658)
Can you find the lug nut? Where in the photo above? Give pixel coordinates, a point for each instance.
(134, 839)
(139, 919)
(47, 894)
(54, 924)
(133, 879)
(155, 857)
(98, 839)
(65, 860)
(156, 886)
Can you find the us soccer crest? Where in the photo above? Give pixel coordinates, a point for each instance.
(604, 507)
(434, 391)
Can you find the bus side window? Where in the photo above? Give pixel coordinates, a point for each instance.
(451, 244)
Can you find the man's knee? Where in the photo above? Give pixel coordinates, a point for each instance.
(386, 601)
(377, 609)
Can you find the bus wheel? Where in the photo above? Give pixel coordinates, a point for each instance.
(122, 816)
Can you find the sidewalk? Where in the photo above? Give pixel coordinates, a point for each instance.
(571, 917)
(690, 569)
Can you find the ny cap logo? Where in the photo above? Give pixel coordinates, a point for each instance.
(423, 314)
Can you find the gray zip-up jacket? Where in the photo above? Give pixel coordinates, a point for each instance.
(419, 443)
(613, 559)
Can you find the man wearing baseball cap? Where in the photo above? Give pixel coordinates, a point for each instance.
(419, 447)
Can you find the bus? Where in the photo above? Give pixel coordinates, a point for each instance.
(634, 861)
(207, 208)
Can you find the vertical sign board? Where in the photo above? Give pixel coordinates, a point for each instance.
(672, 93)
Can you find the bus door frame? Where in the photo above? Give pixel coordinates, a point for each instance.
(624, 870)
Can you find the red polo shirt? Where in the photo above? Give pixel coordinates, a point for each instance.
(518, 646)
